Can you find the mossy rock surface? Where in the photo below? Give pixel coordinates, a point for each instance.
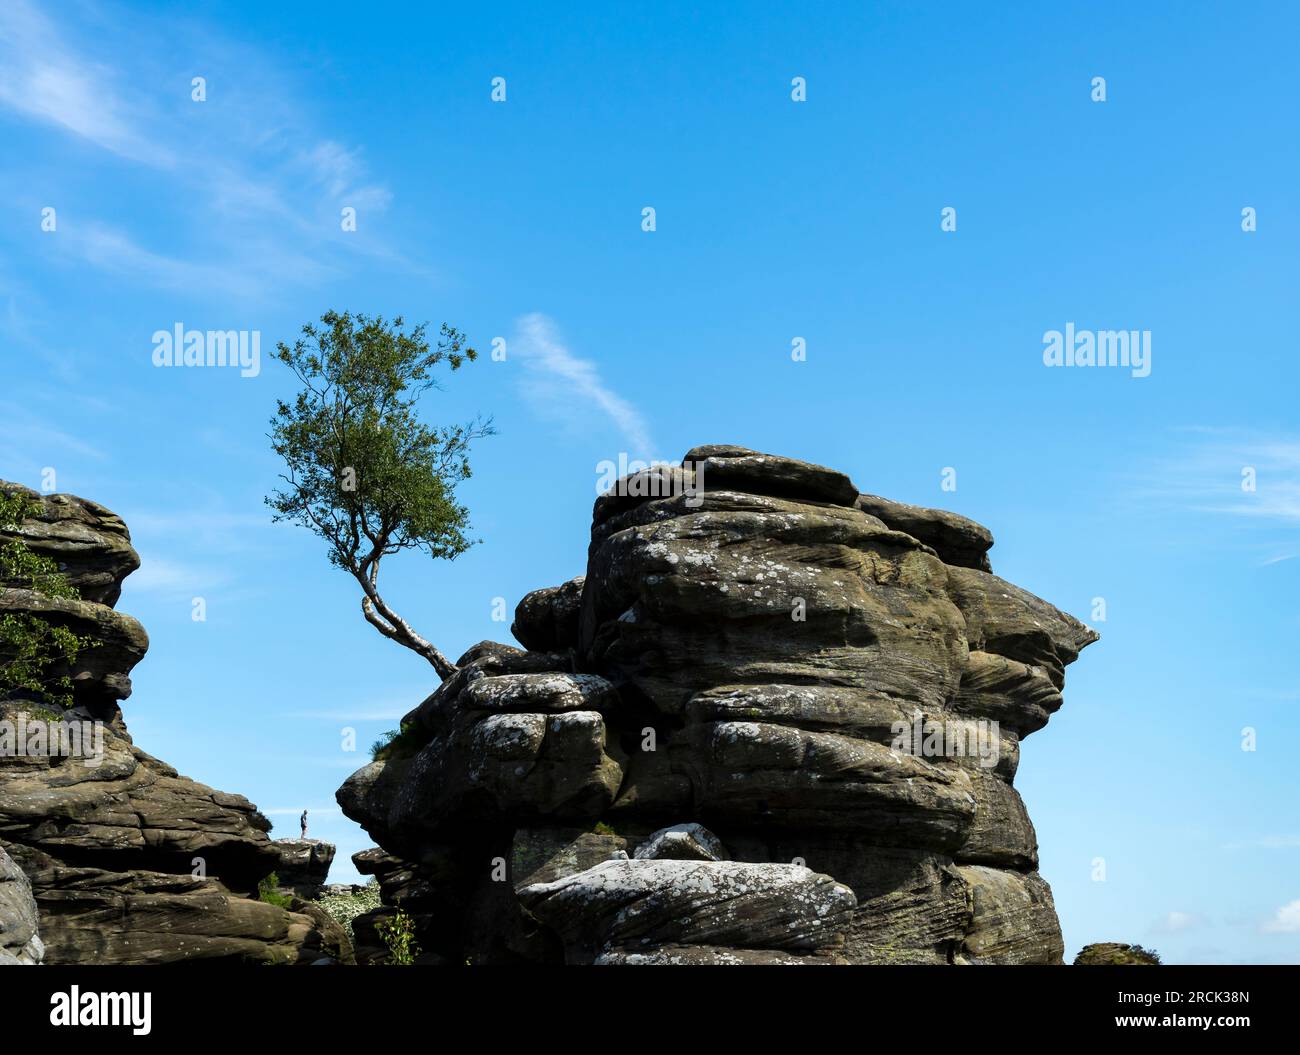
(1113, 952)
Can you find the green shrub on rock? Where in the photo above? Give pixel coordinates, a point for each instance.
(31, 647)
(398, 933)
(398, 743)
(268, 890)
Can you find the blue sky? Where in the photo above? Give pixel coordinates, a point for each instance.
(774, 220)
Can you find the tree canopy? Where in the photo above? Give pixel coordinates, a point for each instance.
(362, 470)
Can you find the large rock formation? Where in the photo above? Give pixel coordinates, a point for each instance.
(834, 684)
(129, 861)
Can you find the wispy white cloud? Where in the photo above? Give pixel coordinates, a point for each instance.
(1239, 487)
(27, 438)
(210, 527)
(341, 174)
(114, 251)
(563, 385)
(1178, 922)
(1267, 842)
(262, 190)
(200, 549)
(1286, 920)
(170, 579)
(41, 78)
(1231, 472)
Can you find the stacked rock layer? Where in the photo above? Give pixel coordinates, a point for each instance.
(127, 860)
(699, 756)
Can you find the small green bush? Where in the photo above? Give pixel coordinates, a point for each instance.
(268, 890)
(398, 743)
(398, 933)
(30, 645)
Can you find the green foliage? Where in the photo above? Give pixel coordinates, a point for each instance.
(398, 743)
(29, 645)
(268, 890)
(398, 933)
(363, 472)
(347, 907)
(21, 567)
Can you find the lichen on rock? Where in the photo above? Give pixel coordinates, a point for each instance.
(718, 703)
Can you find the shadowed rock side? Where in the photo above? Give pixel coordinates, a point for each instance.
(128, 861)
(749, 636)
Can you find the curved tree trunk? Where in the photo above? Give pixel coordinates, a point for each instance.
(395, 628)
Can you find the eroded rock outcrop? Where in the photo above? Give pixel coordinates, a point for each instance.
(830, 686)
(127, 860)
(623, 908)
(304, 866)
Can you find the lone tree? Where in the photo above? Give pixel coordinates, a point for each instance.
(362, 471)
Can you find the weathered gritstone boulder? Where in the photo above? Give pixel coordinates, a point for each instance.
(125, 808)
(759, 653)
(528, 745)
(1007, 621)
(128, 861)
(716, 956)
(92, 915)
(303, 867)
(90, 544)
(625, 906)
(543, 855)
(784, 777)
(1013, 919)
(682, 842)
(762, 590)
(957, 540)
(547, 620)
(100, 675)
(912, 905)
(20, 944)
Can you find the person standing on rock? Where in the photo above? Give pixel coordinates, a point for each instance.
(302, 821)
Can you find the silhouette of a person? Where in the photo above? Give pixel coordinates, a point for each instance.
(303, 822)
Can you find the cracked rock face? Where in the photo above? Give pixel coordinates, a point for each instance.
(127, 860)
(813, 678)
(20, 944)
